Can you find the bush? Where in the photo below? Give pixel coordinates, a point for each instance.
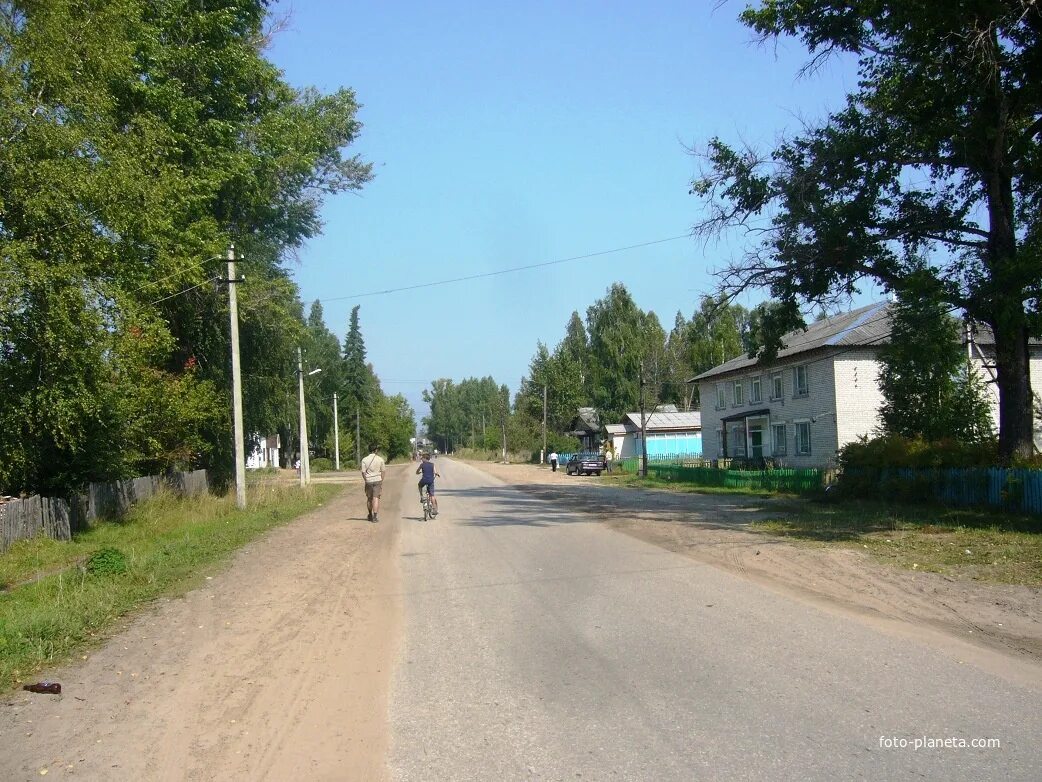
(904, 468)
(321, 465)
(895, 451)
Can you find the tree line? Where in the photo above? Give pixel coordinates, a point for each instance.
(599, 363)
(134, 149)
(930, 391)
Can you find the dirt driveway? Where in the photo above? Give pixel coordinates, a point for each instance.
(278, 668)
(713, 528)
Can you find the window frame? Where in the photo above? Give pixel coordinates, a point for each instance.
(738, 392)
(780, 378)
(721, 396)
(755, 391)
(796, 426)
(781, 449)
(797, 392)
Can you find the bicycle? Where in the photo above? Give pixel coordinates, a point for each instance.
(425, 502)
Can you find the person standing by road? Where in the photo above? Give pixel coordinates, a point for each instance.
(373, 468)
(609, 457)
(553, 461)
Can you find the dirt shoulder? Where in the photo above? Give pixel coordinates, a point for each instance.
(278, 668)
(714, 528)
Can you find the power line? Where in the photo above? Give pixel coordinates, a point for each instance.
(510, 270)
(186, 290)
(495, 273)
(175, 274)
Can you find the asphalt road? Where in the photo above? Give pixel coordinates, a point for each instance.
(541, 645)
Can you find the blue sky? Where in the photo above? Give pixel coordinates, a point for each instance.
(509, 134)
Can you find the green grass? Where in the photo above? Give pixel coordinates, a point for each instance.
(651, 482)
(960, 543)
(60, 597)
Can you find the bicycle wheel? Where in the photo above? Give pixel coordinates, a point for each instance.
(425, 501)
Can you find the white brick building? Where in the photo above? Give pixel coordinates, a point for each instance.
(821, 393)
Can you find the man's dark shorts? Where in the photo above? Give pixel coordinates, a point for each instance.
(372, 490)
(430, 487)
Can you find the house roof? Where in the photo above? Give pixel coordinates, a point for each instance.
(665, 420)
(587, 419)
(868, 325)
(614, 429)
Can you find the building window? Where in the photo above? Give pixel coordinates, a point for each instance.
(754, 391)
(738, 393)
(777, 389)
(802, 438)
(778, 433)
(799, 381)
(721, 397)
(720, 443)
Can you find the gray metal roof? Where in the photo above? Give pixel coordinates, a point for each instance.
(616, 429)
(868, 325)
(667, 420)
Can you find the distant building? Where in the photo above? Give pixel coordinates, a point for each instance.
(670, 433)
(586, 426)
(264, 453)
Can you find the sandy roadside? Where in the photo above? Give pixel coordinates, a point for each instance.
(712, 528)
(277, 668)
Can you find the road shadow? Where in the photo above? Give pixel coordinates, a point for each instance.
(542, 505)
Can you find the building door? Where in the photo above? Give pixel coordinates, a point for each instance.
(756, 443)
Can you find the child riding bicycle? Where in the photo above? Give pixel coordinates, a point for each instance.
(429, 473)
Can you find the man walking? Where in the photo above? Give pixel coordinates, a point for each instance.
(373, 468)
(553, 461)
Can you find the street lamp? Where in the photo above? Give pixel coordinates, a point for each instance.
(305, 457)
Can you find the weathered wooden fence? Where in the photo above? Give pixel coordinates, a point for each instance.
(57, 518)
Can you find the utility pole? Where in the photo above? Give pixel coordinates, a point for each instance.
(237, 432)
(504, 439)
(643, 427)
(336, 436)
(305, 472)
(358, 438)
(542, 453)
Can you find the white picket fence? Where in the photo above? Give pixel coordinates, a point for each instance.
(57, 518)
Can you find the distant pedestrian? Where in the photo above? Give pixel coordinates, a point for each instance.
(609, 457)
(373, 468)
(553, 461)
(296, 465)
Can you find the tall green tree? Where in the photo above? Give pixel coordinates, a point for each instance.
(624, 342)
(930, 390)
(935, 157)
(137, 139)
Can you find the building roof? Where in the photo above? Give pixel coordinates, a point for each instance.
(588, 419)
(665, 420)
(614, 429)
(868, 325)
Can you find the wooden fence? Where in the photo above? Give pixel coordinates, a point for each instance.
(57, 518)
(1011, 489)
(804, 481)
